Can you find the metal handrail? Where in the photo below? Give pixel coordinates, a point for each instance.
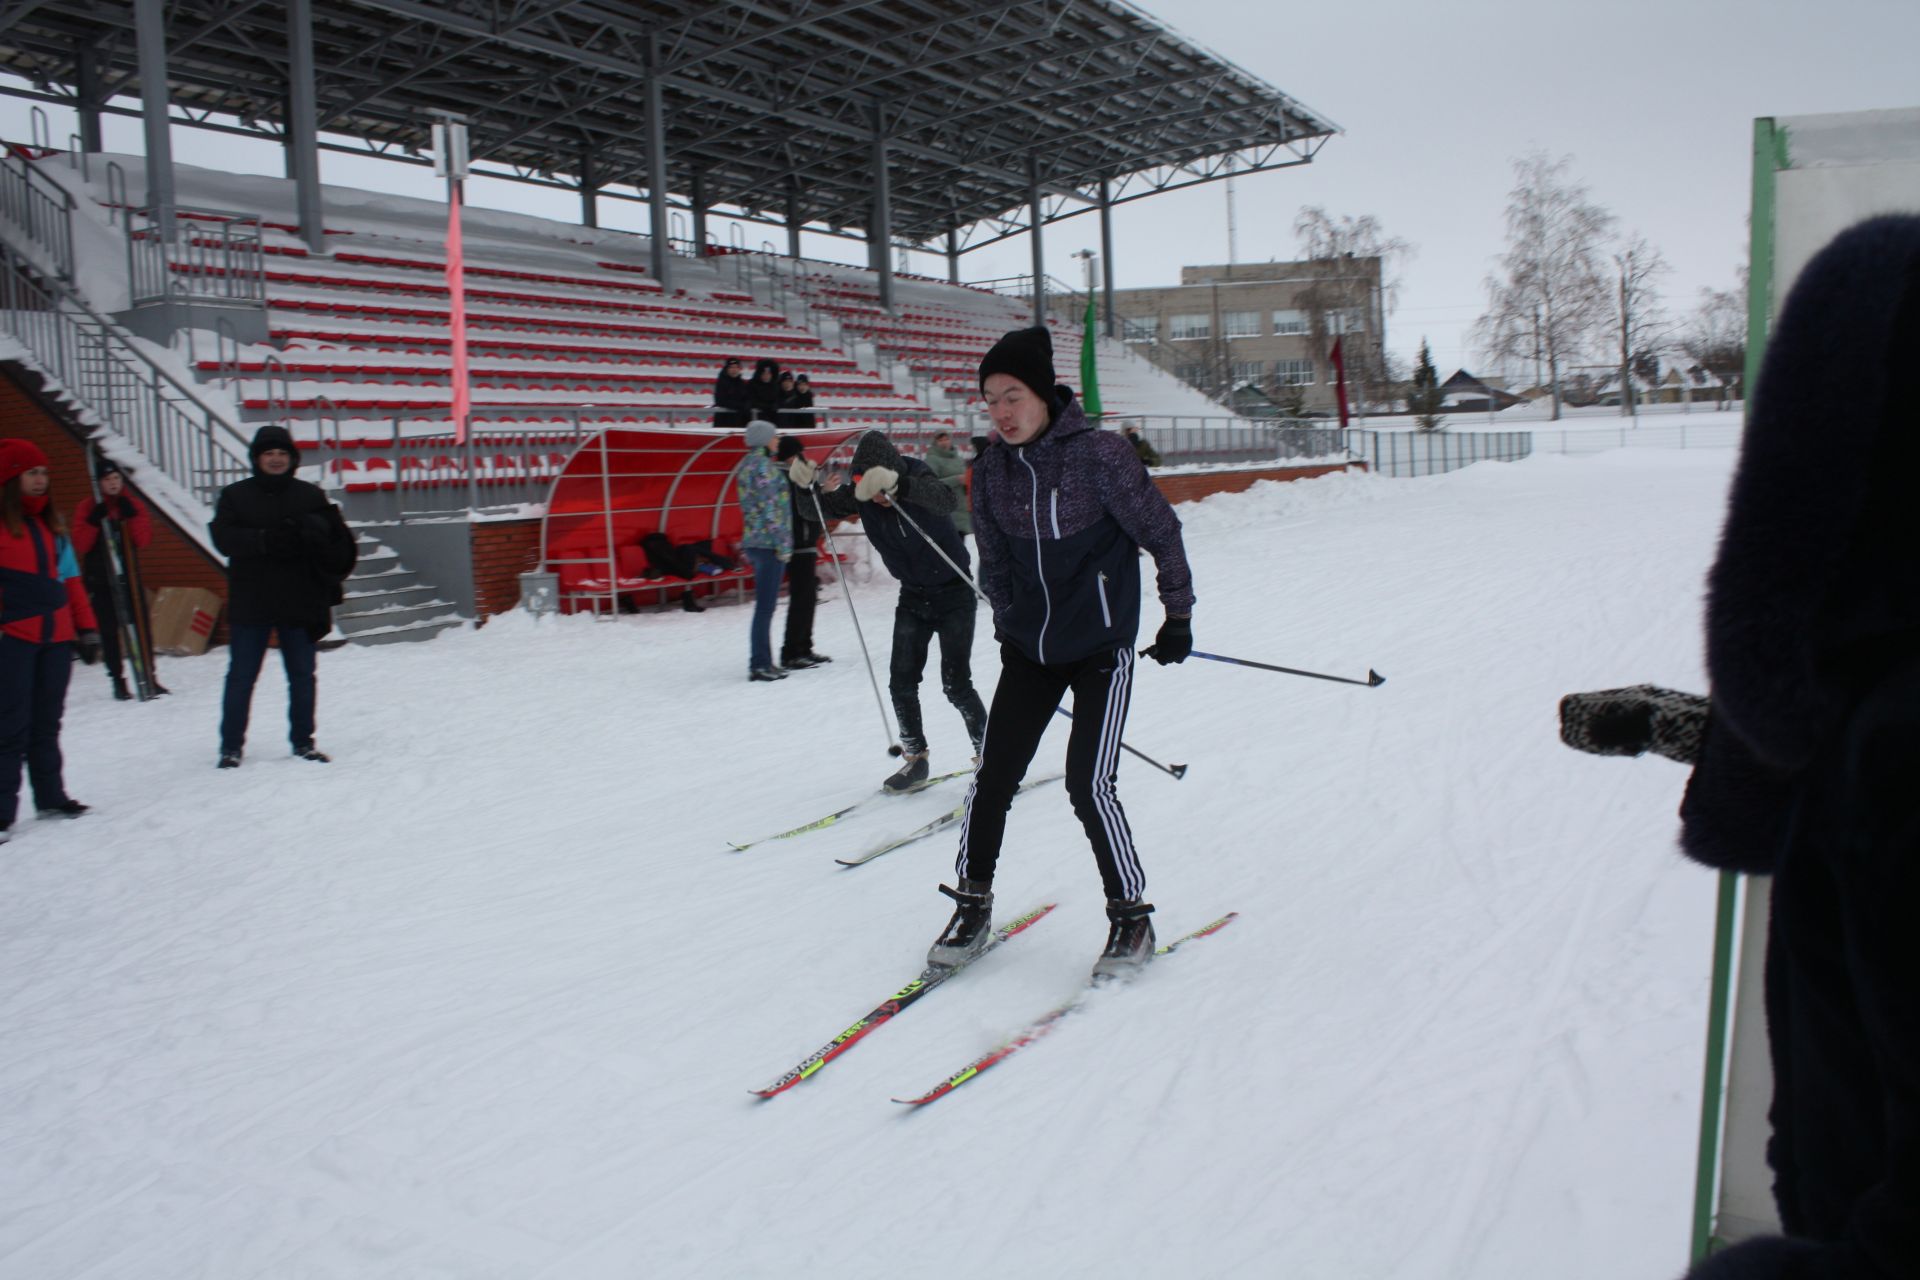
(105, 373)
(38, 209)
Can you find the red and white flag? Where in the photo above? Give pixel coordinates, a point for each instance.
(457, 321)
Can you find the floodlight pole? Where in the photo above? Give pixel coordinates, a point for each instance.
(1106, 259)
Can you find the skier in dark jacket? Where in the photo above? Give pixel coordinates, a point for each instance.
(1061, 511)
(731, 399)
(890, 490)
(124, 513)
(1807, 752)
(288, 551)
(763, 393)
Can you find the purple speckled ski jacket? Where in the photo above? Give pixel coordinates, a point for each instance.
(1059, 521)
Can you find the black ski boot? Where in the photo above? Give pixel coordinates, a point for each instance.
(120, 691)
(911, 775)
(1130, 939)
(968, 933)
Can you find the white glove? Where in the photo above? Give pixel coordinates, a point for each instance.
(875, 481)
(802, 472)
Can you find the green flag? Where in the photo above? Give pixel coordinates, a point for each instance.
(1089, 364)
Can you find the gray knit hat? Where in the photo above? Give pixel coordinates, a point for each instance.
(760, 433)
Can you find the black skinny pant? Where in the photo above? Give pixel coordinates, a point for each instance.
(803, 592)
(921, 615)
(1023, 707)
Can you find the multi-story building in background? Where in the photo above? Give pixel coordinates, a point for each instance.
(1266, 325)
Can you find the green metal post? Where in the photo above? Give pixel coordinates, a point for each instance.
(1705, 1176)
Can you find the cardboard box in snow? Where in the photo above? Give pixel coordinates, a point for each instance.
(183, 619)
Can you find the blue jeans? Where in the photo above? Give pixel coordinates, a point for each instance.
(766, 595)
(246, 650)
(33, 698)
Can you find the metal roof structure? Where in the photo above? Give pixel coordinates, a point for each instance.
(982, 112)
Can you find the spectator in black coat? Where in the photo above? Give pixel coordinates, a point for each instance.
(288, 551)
(763, 393)
(731, 400)
(1810, 754)
(797, 404)
(803, 577)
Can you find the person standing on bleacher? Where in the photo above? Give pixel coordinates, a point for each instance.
(764, 393)
(288, 550)
(732, 404)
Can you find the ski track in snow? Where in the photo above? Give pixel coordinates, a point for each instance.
(484, 997)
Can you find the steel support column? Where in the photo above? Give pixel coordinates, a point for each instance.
(1035, 215)
(86, 79)
(589, 192)
(658, 226)
(150, 29)
(953, 255)
(699, 195)
(880, 232)
(1106, 260)
(793, 219)
(303, 125)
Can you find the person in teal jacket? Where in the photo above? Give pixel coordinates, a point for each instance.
(766, 539)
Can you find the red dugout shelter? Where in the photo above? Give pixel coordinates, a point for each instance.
(626, 483)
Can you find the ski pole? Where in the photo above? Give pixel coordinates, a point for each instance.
(1373, 681)
(893, 744)
(964, 575)
(1177, 770)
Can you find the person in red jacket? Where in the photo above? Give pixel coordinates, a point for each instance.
(90, 519)
(44, 618)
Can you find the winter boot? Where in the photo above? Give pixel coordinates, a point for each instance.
(967, 934)
(911, 775)
(120, 691)
(230, 759)
(1129, 938)
(68, 808)
(762, 674)
(688, 603)
(313, 753)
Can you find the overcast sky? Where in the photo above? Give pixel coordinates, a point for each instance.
(1653, 101)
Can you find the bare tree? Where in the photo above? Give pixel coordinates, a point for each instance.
(1715, 337)
(1350, 298)
(1551, 294)
(1641, 329)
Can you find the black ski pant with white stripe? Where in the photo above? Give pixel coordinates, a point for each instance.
(1023, 707)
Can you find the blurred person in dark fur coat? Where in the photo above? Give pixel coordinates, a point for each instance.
(1808, 750)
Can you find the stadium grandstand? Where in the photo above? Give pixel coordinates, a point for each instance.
(495, 393)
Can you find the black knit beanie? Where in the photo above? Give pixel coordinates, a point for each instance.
(789, 448)
(104, 467)
(1027, 354)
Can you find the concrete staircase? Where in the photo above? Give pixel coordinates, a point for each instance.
(387, 603)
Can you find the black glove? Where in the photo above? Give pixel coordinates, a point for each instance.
(1628, 722)
(281, 543)
(313, 534)
(1173, 643)
(98, 515)
(87, 644)
(125, 505)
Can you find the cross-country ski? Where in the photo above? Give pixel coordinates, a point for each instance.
(930, 977)
(1049, 1020)
(941, 823)
(821, 824)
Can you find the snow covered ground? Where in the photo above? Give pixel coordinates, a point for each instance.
(484, 998)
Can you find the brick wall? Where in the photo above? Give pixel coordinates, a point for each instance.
(172, 559)
(1193, 486)
(502, 551)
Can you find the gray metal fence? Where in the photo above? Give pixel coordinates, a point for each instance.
(101, 370)
(216, 254)
(37, 214)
